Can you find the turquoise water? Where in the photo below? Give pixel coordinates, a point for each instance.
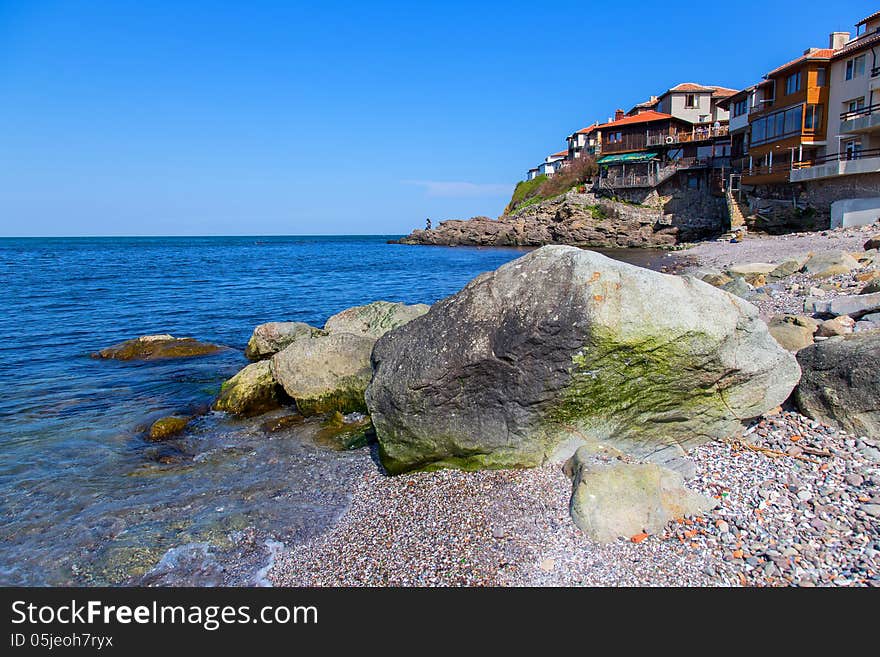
(84, 498)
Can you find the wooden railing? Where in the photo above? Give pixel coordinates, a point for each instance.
(698, 133)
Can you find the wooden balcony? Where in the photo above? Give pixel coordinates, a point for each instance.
(696, 134)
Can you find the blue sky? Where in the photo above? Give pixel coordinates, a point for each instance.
(263, 117)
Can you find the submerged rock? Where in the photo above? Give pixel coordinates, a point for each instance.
(610, 500)
(167, 427)
(345, 432)
(841, 382)
(325, 373)
(565, 345)
(252, 391)
(374, 319)
(270, 338)
(152, 347)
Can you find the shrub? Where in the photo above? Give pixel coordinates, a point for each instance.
(541, 188)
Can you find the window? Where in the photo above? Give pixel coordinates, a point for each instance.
(855, 67)
(793, 83)
(793, 120)
(690, 101)
(779, 124)
(740, 107)
(615, 137)
(853, 150)
(813, 118)
(820, 77)
(856, 104)
(693, 182)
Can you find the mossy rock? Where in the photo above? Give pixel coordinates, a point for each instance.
(168, 427)
(567, 345)
(153, 347)
(326, 373)
(340, 433)
(252, 391)
(374, 319)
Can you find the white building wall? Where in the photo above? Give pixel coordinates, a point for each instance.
(841, 91)
(674, 104)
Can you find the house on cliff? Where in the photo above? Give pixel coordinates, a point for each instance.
(813, 134)
(584, 141)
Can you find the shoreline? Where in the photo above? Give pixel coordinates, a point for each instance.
(784, 518)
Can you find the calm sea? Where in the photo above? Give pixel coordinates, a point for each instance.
(83, 497)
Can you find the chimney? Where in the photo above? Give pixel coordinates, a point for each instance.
(837, 40)
(618, 114)
(810, 51)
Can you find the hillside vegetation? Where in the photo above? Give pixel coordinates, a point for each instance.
(541, 188)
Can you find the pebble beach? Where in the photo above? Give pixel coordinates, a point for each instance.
(798, 501)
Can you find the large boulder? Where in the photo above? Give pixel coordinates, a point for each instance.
(325, 373)
(375, 319)
(841, 382)
(565, 345)
(614, 499)
(153, 347)
(270, 338)
(830, 263)
(252, 391)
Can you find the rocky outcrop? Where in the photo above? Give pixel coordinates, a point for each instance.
(565, 345)
(325, 373)
(153, 347)
(374, 319)
(252, 391)
(612, 498)
(841, 382)
(573, 218)
(270, 338)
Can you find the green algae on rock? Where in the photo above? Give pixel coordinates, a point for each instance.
(325, 373)
(152, 347)
(252, 391)
(565, 346)
(168, 427)
(345, 432)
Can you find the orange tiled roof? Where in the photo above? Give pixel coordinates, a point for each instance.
(587, 130)
(724, 92)
(560, 154)
(644, 117)
(818, 53)
(690, 86)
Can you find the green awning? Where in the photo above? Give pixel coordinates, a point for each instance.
(627, 157)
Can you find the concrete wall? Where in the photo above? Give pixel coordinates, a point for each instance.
(855, 212)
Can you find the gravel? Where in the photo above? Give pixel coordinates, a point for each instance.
(809, 520)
